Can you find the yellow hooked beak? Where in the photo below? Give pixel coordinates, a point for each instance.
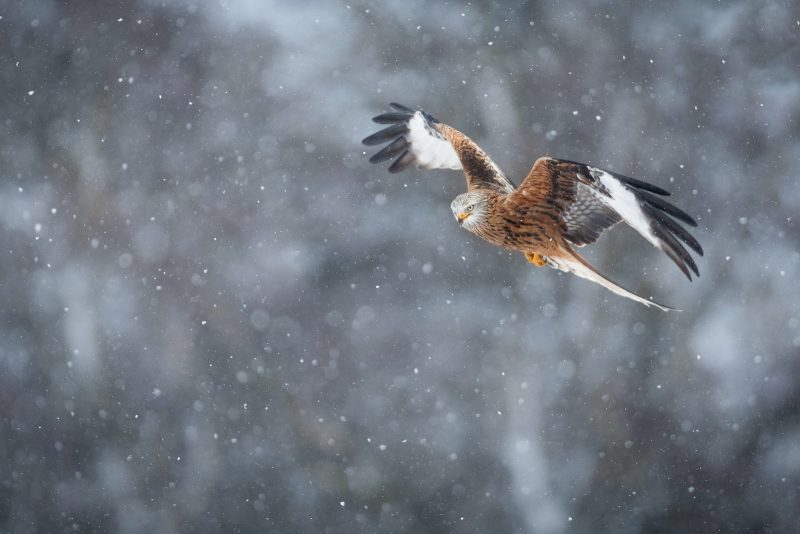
(462, 216)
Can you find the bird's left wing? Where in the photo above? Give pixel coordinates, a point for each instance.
(416, 138)
(586, 201)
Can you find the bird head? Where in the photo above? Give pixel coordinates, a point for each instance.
(469, 208)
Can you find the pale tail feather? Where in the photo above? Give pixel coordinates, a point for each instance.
(578, 266)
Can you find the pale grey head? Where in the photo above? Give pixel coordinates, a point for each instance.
(470, 209)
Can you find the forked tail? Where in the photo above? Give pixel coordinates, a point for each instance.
(578, 266)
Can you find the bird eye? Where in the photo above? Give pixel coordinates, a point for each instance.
(470, 207)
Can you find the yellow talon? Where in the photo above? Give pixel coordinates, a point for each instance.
(536, 259)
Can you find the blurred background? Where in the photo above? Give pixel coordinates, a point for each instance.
(218, 317)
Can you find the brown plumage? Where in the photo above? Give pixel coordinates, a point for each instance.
(560, 204)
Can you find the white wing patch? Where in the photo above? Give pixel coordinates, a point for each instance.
(623, 201)
(431, 150)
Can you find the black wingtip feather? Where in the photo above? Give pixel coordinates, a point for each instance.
(401, 107)
(639, 184)
(677, 260)
(392, 118)
(666, 207)
(674, 249)
(390, 150)
(386, 134)
(401, 163)
(405, 109)
(674, 227)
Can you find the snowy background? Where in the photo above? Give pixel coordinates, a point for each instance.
(218, 317)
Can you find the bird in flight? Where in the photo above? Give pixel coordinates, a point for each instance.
(559, 206)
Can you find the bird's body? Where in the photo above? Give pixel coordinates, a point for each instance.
(560, 204)
(513, 226)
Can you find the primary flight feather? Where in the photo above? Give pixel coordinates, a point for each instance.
(560, 205)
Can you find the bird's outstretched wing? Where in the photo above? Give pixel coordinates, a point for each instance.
(587, 200)
(416, 138)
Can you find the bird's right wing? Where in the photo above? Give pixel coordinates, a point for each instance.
(416, 138)
(588, 201)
